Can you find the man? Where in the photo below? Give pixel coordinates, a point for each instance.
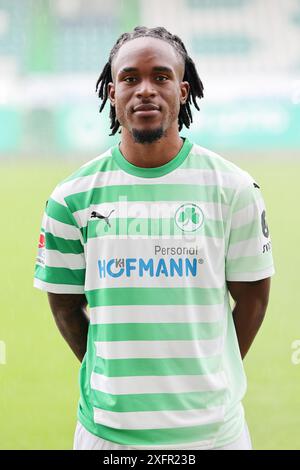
(153, 235)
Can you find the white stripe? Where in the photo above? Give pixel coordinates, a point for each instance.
(56, 259)
(59, 229)
(58, 196)
(158, 419)
(156, 314)
(148, 209)
(251, 276)
(99, 157)
(158, 349)
(251, 247)
(216, 159)
(158, 383)
(190, 238)
(58, 288)
(247, 215)
(76, 184)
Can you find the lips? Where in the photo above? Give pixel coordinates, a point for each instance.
(145, 107)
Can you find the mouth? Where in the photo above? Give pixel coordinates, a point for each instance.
(146, 110)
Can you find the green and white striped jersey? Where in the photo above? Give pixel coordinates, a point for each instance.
(152, 249)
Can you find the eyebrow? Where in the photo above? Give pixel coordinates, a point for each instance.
(159, 68)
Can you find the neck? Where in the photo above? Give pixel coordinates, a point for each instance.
(151, 155)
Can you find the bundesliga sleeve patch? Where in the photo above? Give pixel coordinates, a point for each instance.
(41, 250)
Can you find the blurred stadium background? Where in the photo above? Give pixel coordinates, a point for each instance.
(51, 53)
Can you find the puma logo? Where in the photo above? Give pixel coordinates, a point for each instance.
(95, 215)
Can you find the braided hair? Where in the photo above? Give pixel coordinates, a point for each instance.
(190, 74)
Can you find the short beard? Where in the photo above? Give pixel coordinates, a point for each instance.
(147, 136)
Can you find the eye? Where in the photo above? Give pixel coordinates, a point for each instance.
(161, 78)
(129, 79)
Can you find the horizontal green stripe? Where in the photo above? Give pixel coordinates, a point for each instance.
(102, 165)
(150, 437)
(59, 212)
(63, 245)
(52, 275)
(245, 232)
(154, 296)
(156, 331)
(157, 401)
(150, 192)
(148, 227)
(249, 263)
(161, 366)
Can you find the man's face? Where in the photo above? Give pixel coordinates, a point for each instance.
(147, 88)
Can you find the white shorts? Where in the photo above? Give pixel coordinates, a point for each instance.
(84, 440)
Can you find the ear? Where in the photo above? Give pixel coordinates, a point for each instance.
(184, 92)
(111, 93)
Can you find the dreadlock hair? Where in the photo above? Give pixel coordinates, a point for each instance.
(190, 74)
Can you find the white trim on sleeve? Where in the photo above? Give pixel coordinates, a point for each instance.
(251, 276)
(57, 288)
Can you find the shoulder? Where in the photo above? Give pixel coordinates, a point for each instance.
(92, 167)
(84, 178)
(226, 172)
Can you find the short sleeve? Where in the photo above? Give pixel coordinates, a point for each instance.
(60, 262)
(249, 250)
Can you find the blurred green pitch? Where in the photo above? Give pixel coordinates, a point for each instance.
(39, 383)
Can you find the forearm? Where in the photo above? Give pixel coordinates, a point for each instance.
(247, 316)
(72, 321)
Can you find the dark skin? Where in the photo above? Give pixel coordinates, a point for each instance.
(148, 71)
(251, 301)
(69, 311)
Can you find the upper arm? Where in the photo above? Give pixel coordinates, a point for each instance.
(60, 265)
(248, 251)
(66, 304)
(257, 291)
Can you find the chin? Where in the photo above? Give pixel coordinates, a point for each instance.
(147, 135)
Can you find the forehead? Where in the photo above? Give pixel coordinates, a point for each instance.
(147, 51)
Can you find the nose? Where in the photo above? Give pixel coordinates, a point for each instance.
(145, 89)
